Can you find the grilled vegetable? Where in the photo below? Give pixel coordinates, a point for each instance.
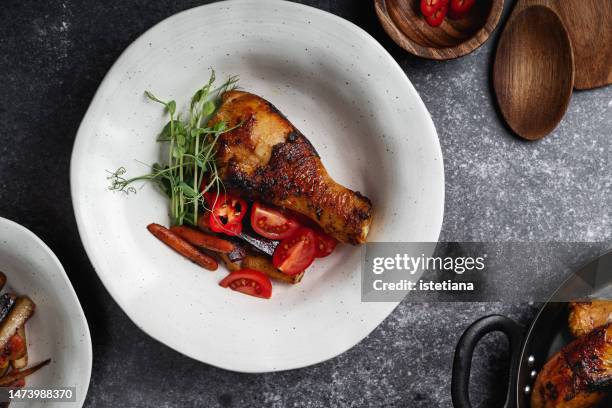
(182, 247)
(232, 266)
(205, 241)
(578, 375)
(264, 264)
(7, 301)
(21, 362)
(19, 314)
(265, 245)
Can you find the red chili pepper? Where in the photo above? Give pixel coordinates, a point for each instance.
(429, 7)
(227, 213)
(437, 17)
(459, 8)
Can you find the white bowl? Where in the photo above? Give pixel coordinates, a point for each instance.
(342, 90)
(58, 329)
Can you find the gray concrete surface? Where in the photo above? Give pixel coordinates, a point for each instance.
(53, 55)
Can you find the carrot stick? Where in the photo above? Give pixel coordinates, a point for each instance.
(182, 247)
(18, 375)
(202, 240)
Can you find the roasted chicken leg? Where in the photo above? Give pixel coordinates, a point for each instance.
(578, 375)
(266, 158)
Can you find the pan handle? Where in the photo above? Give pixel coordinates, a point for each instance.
(464, 352)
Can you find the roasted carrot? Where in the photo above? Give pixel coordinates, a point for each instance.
(18, 375)
(182, 247)
(202, 240)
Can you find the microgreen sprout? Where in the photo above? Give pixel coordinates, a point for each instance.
(191, 154)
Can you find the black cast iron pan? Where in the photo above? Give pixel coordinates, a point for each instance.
(546, 336)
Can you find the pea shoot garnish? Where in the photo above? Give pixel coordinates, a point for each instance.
(191, 146)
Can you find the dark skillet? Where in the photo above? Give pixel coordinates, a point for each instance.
(546, 336)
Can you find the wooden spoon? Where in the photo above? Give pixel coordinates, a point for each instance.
(589, 24)
(533, 75)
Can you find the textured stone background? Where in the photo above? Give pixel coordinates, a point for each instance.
(53, 55)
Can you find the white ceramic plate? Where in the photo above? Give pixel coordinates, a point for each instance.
(342, 90)
(58, 329)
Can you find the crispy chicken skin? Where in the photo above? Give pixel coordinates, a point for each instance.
(578, 375)
(267, 159)
(585, 316)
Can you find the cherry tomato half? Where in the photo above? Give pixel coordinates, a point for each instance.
(295, 253)
(429, 7)
(271, 223)
(250, 282)
(437, 17)
(460, 7)
(226, 214)
(324, 244)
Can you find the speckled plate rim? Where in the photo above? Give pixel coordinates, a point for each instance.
(69, 290)
(437, 211)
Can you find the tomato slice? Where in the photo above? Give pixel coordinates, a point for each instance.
(461, 7)
(324, 245)
(429, 7)
(250, 282)
(437, 17)
(295, 253)
(227, 213)
(271, 223)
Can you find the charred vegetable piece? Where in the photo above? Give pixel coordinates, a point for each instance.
(18, 375)
(265, 245)
(232, 266)
(263, 263)
(22, 361)
(182, 247)
(7, 301)
(19, 314)
(14, 348)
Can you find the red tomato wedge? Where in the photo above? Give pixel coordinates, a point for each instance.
(250, 282)
(429, 7)
(437, 17)
(226, 214)
(295, 253)
(271, 223)
(324, 245)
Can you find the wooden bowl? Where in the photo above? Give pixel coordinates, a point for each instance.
(403, 21)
